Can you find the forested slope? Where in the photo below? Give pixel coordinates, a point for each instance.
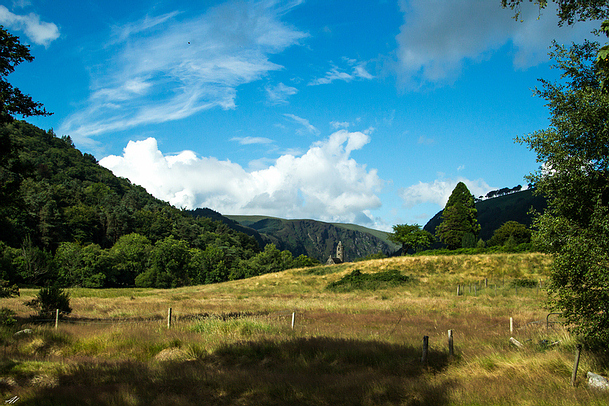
(65, 219)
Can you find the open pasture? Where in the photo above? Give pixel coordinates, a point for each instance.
(234, 343)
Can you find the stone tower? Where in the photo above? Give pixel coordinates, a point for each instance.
(339, 252)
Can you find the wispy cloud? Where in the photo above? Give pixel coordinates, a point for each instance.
(252, 140)
(437, 37)
(323, 183)
(354, 70)
(308, 127)
(426, 141)
(279, 94)
(39, 32)
(339, 124)
(172, 66)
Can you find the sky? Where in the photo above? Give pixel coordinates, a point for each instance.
(352, 111)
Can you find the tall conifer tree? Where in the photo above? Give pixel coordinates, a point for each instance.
(459, 218)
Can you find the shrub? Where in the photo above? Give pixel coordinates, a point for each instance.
(49, 299)
(7, 317)
(7, 290)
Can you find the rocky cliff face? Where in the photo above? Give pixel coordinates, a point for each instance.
(318, 240)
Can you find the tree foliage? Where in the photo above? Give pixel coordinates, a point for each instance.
(12, 101)
(411, 236)
(568, 11)
(511, 229)
(459, 218)
(574, 152)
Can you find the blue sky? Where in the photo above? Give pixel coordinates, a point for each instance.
(364, 112)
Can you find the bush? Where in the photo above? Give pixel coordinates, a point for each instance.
(50, 299)
(7, 317)
(7, 290)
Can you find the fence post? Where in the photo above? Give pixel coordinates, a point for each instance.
(458, 290)
(451, 350)
(425, 348)
(578, 351)
(293, 319)
(169, 318)
(511, 324)
(56, 319)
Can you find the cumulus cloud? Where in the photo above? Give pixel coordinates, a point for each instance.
(356, 70)
(39, 32)
(439, 191)
(437, 36)
(324, 183)
(172, 66)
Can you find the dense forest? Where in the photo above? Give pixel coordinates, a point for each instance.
(66, 220)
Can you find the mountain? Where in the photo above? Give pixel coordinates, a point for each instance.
(318, 239)
(492, 213)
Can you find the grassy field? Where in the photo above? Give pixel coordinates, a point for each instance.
(233, 343)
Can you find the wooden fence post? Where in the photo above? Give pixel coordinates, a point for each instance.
(425, 348)
(56, 319)
(169, 318)
(511, 324)
(578, 351)
(293, 319)
(451, 350)
(458, 290)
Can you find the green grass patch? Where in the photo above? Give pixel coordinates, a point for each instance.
(357, 280)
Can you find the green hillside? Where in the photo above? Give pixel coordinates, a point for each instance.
(492, 213)
(318, 239)
(66, 220)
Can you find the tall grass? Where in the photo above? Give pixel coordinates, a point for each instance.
(233, 343)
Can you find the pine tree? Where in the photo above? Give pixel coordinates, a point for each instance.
(459, 218)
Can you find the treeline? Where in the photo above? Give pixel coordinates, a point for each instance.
(65, 219)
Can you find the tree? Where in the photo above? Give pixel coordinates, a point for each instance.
(511, 229)
(12, 101)
(459, 218)
(574, 153)
(569, 11)
(411, 236)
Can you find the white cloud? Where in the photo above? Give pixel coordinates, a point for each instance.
(279, 94)
(252, 140)
(426, 141)
(438, 36)
(37, 31)
(325, 183)
(303, 122)
(439, 191)
(172, 66)
(357, 71)
(339, 124)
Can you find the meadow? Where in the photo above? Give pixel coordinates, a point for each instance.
(352, 342)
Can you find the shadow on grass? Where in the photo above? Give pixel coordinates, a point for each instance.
(305, 371)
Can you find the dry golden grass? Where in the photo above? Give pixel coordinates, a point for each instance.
(232, 343)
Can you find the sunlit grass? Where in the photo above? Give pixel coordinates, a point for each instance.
(233, 343)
